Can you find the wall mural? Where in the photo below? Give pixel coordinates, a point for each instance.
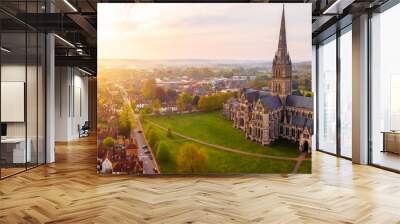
(204, 88)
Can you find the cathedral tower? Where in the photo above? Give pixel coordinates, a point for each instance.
(282, 66)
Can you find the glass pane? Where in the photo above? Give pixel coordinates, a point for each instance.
(31, 97)
(31, 88)
(385, 81)
(23, 90)
(327, 97)
(13, 86)
(346, 94)
(41, 98)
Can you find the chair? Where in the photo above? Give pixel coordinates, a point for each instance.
(84, 130)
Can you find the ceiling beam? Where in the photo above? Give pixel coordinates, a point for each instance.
(86, 26)
(337, 7)
(77, 61)
(49, 22)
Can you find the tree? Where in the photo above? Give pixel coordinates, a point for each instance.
(262, 80)
(171, 95)
(146, 110)
(195, 101)
(133, 106)
(169, 133)
(141, 116)
(184, 102)
(308, 94)
(156, 105)
(149, 88)
(191, 159)
(126, 121)
(153, 138)
(160, 94)
(163, 154)
(180, 104)
(148, 130)
(148, 134)
(214, 102)
(109, 142)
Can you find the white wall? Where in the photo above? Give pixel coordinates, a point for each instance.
(61, 103)
(80, 110)
(71, 94)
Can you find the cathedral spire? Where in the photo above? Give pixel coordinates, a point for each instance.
(282, 52)
(282, 65)
(282, 33)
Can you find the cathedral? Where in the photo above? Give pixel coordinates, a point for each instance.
(266, 116)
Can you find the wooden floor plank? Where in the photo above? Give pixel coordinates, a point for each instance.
(70, 191)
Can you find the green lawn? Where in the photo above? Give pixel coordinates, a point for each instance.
(220, 162)
(214, 128)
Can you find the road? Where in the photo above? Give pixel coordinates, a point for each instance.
(149, 165)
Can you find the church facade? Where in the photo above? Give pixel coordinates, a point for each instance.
(266, 116)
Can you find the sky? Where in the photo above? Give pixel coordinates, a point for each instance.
(225, 31)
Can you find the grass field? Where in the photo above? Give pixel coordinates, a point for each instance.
(213, 128)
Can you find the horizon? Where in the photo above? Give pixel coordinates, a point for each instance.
(198, 59)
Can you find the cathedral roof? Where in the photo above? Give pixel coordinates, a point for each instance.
(268, 101)
(271, 102)
(300, 101)
(253, 95)
(303, 122)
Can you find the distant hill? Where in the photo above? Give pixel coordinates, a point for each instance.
(137, 63)
(181, 63)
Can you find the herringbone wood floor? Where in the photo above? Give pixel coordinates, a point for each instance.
(70, 191)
